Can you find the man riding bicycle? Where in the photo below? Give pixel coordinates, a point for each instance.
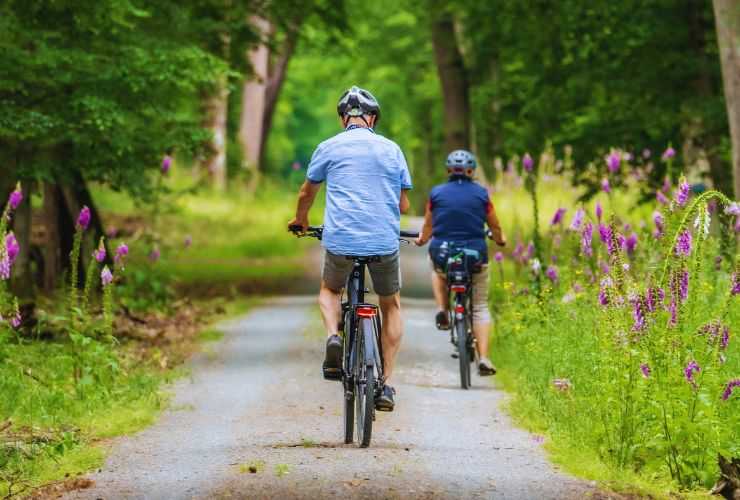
(456, 214)
(366, 182)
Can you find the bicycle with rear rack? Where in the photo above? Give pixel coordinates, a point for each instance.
(362, 360)
(459, 264)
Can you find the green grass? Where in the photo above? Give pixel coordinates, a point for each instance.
(236, 237)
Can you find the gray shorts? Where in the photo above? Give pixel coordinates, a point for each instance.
(386, 274)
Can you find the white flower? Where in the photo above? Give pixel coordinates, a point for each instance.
(733, 209)
(703, 219)
(536, 266)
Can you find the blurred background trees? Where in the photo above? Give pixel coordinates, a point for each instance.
(243, 91)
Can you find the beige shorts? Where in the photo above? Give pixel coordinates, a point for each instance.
(386, 274)
(481, 280)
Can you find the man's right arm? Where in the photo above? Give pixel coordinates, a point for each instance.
(306, 196)
(495, 226)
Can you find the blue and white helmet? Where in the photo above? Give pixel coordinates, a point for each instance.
(461, 159)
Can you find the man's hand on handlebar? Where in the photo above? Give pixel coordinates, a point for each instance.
(500, 242)
(296, 224)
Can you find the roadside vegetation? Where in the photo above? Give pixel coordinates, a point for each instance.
(616, 330)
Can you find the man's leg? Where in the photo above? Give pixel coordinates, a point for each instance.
(334, 274)
(390, 308)
(331, 308)
(439, 287)
(482, 320)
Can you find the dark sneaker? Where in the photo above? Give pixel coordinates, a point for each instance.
(333, 362)
(486, 368)
(443, 320)
(384, 401)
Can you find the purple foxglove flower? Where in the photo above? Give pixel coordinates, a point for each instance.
(661, 197)
(604, 267)
(527, 163)
(683, 285)
(683, 245)
(630, 244)
(518, 250)
(586, 237)
(689, 371)
(11, 247)
(16, 197)
(621, 241)
(530, 250)
(733, 209)
(121, 251)
(605, 234)
(99, 254)
(552, 273)
(16, 320)
(645, 369)
(154, 254)
(730, 387)
(682, 195)
(668, 153)
(83, 220)
(106, 277)
(498, 257)
(605, 185)
(558, 217)
(5, 268)
(652, 296)
(575, 224)
(659, 224)
(603, 291)
(188, 241)
(638, 315)
(724, 340)
(166, 164)
(599, 211)
(673, 310)
(613, 161)
(735, 289)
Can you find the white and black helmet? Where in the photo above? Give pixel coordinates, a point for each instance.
(461, 159)
(358, 102)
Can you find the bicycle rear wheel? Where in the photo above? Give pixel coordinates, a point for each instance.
(461, 332)
(365, 382)
(348, 385)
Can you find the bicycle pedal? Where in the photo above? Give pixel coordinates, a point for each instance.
(332, 373)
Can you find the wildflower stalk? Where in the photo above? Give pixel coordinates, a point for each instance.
(74, 260)
(684, 224)
(89, 280)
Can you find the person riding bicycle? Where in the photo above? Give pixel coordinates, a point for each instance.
(366, 182)
(456, 214)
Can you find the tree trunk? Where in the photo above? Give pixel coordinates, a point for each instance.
(454, 81)
(253, 106)
(216, 109)
(727, 17)
(52, 258)
(275, 83)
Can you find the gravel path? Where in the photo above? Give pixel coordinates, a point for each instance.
(258, 402)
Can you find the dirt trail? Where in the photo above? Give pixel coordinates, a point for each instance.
(258, 402)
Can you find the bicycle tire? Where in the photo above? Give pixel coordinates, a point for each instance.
(365, 382)
(349, 388)
(461, 332)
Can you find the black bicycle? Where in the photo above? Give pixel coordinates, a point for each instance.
(460, 270)
(362, 363)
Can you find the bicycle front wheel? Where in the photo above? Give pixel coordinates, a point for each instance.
(461, 332)
(365, 382)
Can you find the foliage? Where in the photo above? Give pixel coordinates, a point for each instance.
(628, 352)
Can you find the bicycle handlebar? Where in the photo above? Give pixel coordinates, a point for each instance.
(318, 231)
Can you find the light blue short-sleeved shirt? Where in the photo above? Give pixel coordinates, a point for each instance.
(364, 174)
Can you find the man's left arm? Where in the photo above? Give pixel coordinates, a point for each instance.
(406, 184)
